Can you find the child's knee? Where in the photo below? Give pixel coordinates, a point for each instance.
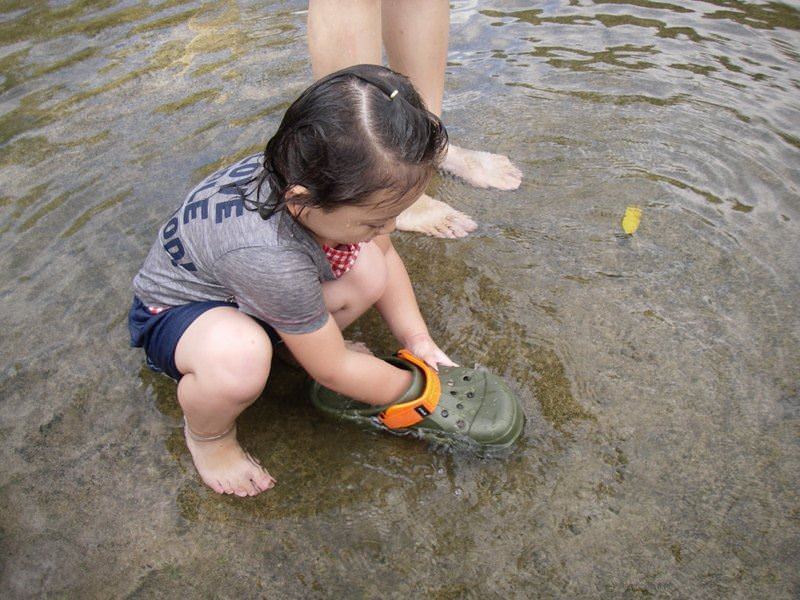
(239, 365)
(370, 273)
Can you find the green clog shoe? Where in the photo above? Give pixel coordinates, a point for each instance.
(459, 406)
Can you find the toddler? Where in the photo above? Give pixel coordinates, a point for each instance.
(289, 248)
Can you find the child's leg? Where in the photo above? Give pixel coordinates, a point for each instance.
(224, 356)
(350, 296)
(415, 33)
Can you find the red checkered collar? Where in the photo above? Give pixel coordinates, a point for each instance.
(342, 257)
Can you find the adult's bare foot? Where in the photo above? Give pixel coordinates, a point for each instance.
(225, 467)
(435, 218)
(482, 169)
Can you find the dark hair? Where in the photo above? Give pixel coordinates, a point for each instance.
(348, 136)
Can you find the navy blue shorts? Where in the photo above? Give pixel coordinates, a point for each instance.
(159, 334)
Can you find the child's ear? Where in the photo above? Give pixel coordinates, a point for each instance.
(294, 192)
(294, 199)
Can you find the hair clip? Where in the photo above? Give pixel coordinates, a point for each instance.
(393, 94)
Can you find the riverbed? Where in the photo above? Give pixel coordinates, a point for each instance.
(659, 372)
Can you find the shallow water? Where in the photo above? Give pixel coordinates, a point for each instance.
(659, 372)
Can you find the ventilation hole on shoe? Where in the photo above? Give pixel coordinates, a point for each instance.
(453, 393)
(470, 395)
(460, 424)
(445, 413)
(466, 377)
(459, 406)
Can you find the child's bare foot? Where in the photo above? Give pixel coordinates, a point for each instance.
(482, 169)
(435, 218)
(225, 467)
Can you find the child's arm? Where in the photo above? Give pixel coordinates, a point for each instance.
(398, 307)
(360, 376)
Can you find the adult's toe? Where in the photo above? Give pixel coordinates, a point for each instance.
(215, 485)
(262, 480)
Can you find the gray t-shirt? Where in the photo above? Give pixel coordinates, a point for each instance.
(213, 248)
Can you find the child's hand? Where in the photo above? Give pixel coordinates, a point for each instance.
(426, 349)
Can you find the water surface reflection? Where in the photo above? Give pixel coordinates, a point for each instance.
(658, 372)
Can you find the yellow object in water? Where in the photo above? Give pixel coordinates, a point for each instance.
(630, 222)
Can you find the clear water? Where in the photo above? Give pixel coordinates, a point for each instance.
(659, 373)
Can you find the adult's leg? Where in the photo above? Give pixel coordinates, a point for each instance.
(348, 32)
(342, 33)
(415, 33)
(224, 357)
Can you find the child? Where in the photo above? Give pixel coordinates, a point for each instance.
(291, 247)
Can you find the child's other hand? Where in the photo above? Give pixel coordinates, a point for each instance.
(426, 349)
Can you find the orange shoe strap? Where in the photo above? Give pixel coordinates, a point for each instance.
(412, 412)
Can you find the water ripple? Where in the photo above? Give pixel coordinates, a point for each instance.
(657, 371)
